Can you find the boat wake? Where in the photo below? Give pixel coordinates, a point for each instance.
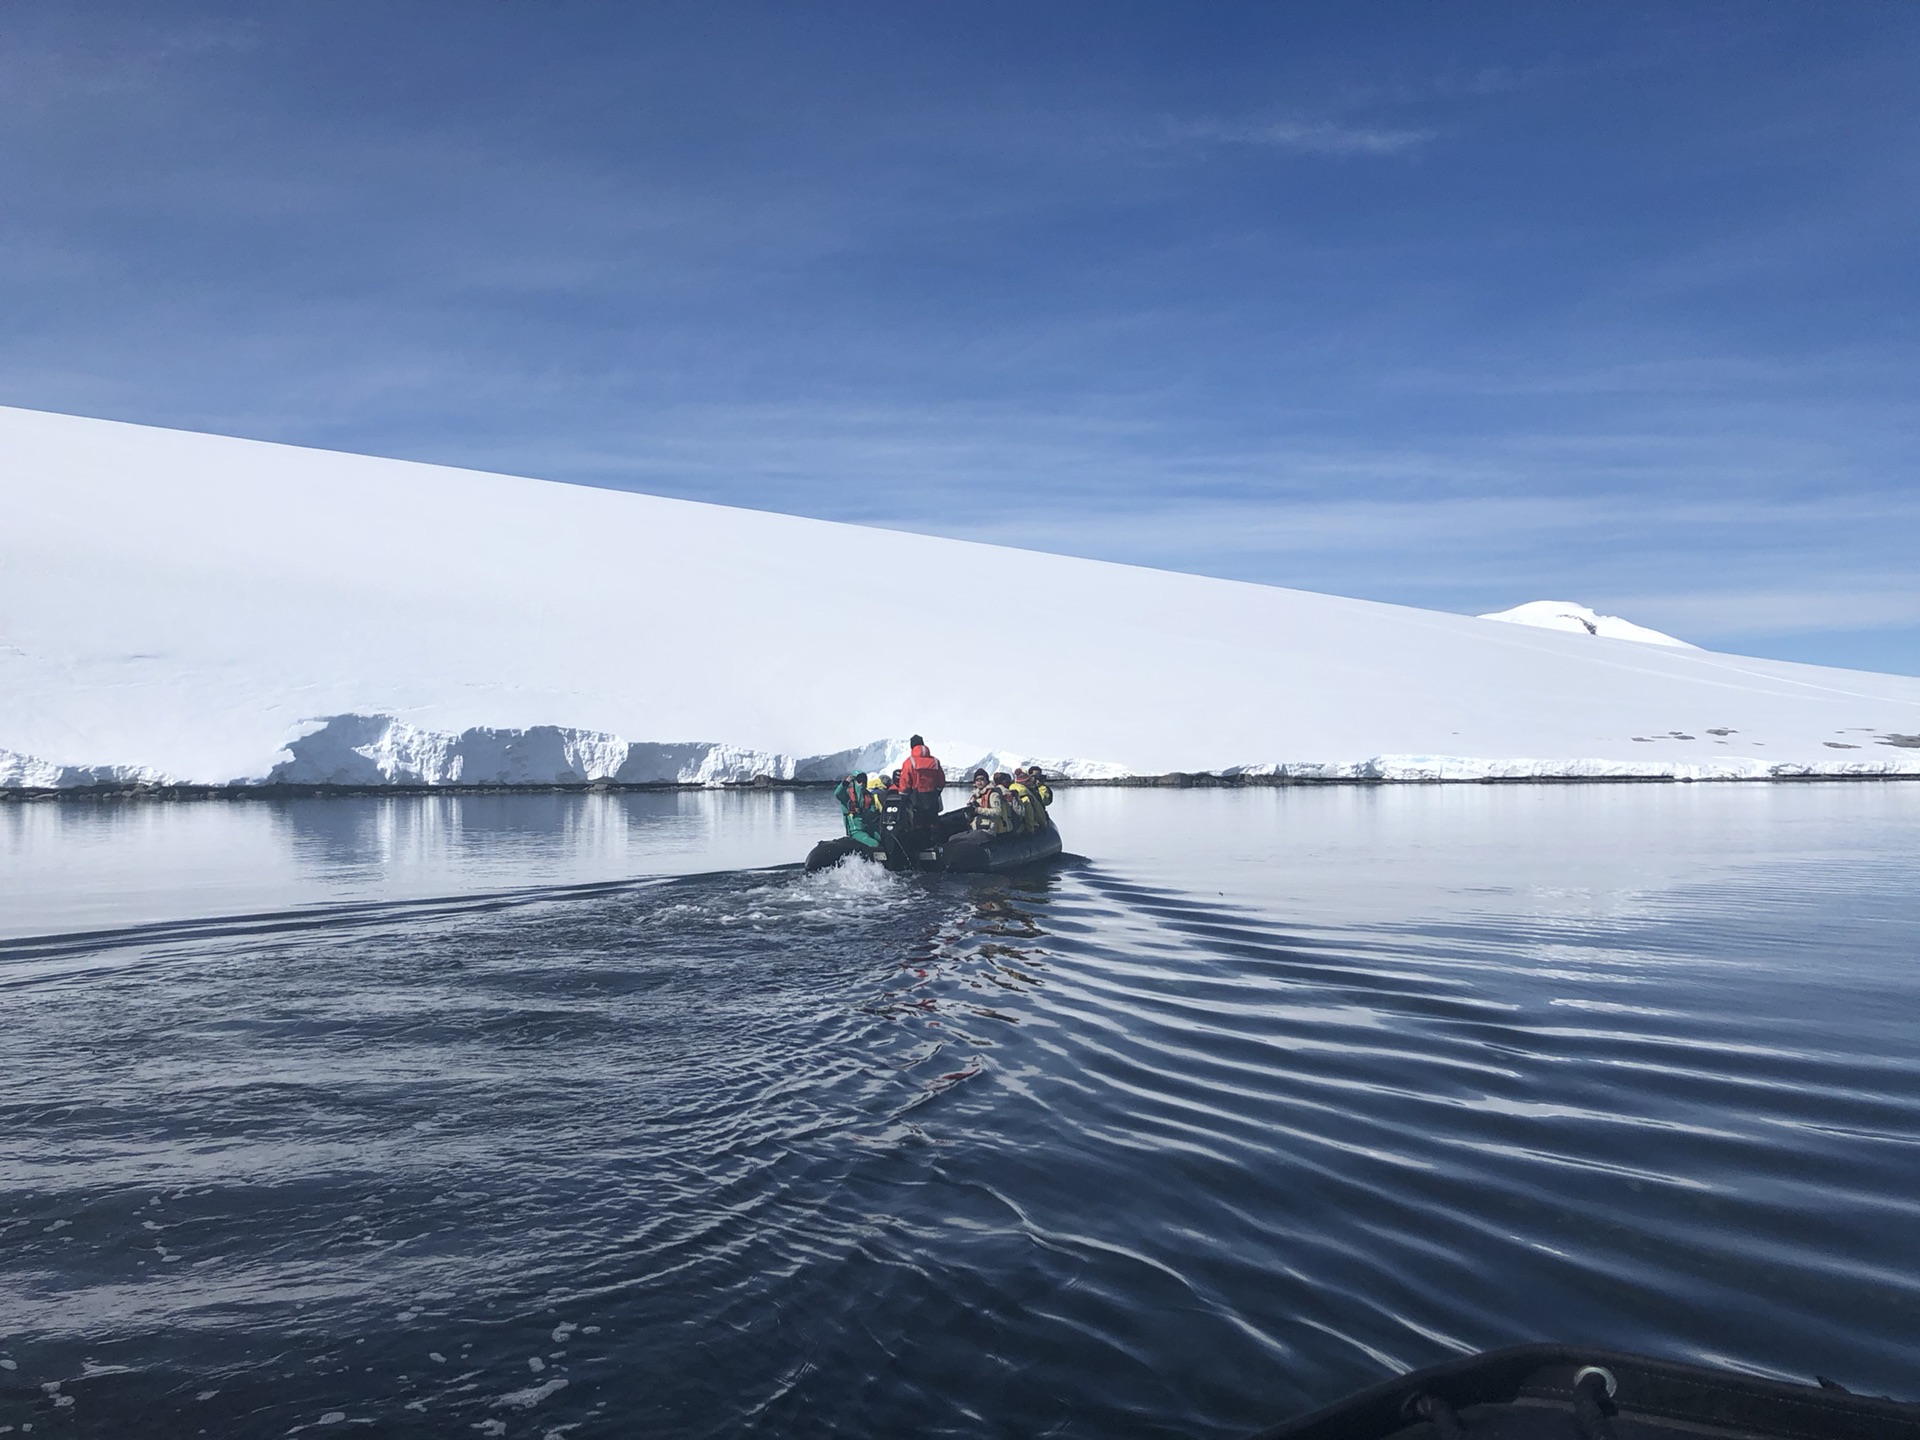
(850, 1152)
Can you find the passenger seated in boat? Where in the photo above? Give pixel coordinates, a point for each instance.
(1016, 806)
(964, 818)
(957, 822)
(860, 810)
(981, 780)
(1042, 792)
(1033, 815)
(991, 812)
(1037, 782)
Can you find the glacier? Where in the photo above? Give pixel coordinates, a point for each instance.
(180, 609)
(372, 751)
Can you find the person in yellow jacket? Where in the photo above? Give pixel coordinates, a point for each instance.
(1037, 781)
(1032, 816)
(1035, 794)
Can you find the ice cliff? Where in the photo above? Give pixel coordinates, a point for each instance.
(378, 750)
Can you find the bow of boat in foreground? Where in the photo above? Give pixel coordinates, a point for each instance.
(1562, 1392)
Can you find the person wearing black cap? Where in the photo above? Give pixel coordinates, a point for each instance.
(956, 822)
(1037, 782)
(990, 809)
(1042, 796)
(921, 780)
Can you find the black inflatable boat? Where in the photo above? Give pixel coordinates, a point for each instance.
(1562, 1392)
(942, 844)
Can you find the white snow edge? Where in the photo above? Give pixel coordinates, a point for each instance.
(1442, 768)
(379, 751)
(374, 751)
(29, 772)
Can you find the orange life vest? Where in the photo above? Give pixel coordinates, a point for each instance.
(921, 773)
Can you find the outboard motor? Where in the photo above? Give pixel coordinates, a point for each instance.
(903, 829)
(897, 818)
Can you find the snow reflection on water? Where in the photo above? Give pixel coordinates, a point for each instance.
(86, 865)
(1271, 1092)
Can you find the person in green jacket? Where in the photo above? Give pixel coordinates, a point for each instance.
(860, 808)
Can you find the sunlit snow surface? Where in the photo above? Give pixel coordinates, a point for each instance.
(205, 610)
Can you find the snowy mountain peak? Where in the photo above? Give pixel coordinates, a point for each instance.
(1578, 619)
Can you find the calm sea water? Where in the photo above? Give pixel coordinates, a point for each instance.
(548, 1115)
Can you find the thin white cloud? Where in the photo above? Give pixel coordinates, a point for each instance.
(1307, 137)
(1891, 604)
(1478, 540)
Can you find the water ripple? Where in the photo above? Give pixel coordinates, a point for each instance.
(768, 1153)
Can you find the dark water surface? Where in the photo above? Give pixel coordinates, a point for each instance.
(1270, 1095)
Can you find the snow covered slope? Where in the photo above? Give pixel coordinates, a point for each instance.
(1579, 620)
(186, 606)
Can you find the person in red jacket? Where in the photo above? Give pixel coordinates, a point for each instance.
(922, 779)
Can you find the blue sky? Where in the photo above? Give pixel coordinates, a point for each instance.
(1451, 305)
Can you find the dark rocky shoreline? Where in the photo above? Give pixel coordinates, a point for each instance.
(1174, 780)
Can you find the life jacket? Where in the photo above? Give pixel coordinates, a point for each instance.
(921, 774)
(991, 812)
(862, 813)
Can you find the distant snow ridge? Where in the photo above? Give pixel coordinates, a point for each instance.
(1579, 620)
(1439, 768)
(1011, 760)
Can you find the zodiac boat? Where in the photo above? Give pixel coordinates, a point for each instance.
(945, 845)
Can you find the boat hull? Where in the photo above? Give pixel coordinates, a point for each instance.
(973, 853)
(967, 853)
